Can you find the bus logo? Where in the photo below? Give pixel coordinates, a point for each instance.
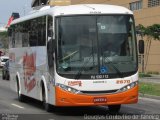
(75, 83)
(29, 67)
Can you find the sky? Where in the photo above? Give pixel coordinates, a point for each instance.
(8, 6)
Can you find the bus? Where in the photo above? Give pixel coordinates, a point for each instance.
(76, 55)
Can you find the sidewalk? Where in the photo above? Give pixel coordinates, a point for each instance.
(153, 79)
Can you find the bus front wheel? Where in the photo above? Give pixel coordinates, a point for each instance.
(20, 96)
(113, 109)
(46, 105)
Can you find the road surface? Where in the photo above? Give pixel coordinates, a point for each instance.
(12, 109)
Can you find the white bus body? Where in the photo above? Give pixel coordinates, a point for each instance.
(97, 79)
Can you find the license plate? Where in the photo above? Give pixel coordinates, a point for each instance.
(100, 100)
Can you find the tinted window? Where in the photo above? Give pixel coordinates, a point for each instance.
(29, 33)
(37, 33)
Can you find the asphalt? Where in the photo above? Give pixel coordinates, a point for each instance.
(12, 109)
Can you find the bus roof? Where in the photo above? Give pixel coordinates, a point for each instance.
(81, 9)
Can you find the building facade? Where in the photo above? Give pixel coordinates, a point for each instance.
(38, 3)
(147, 13)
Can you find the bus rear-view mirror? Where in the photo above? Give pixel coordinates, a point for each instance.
(141, 46)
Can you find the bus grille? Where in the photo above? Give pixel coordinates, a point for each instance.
(99, 92)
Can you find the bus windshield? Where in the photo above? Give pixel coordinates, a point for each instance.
(92, 45)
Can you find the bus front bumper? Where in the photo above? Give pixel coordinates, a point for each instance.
(64, 98)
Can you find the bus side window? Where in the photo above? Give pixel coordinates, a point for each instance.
(50, 41)
(33, 33)
(18, 36)
(14, 37)
(41, 28)
(25, 37)
(50, 28)
(37, 31)
(12, 41)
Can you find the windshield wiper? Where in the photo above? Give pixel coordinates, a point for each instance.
(68, 56)
(78, 75)
(83, 68)
(113, 66)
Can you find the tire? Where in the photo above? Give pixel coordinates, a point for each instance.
(3, 76)
(46, 105)
(6, 76)
(114, 109)
(20, 96)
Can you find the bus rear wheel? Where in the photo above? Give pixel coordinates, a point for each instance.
(114, 109)
(3, 76)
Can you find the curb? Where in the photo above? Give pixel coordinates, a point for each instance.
(149, 96)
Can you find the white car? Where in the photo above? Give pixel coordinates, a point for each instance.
(3, 60)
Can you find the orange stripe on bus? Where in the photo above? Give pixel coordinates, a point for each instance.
(64, 98)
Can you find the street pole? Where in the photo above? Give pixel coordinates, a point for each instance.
(142, 63)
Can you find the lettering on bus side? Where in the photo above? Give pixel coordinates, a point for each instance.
(75, 83)
(95, 12)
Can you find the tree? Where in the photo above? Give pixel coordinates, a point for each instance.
(152, 33)
(4, 39)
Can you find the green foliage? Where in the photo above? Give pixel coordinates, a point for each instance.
(3, 34)
(141, 75)
(4, 39)
(149, 88)
(152, 31)
(140, 29)
(145, 87)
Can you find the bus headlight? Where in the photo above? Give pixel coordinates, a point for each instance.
(127, 87)
(68, 89)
